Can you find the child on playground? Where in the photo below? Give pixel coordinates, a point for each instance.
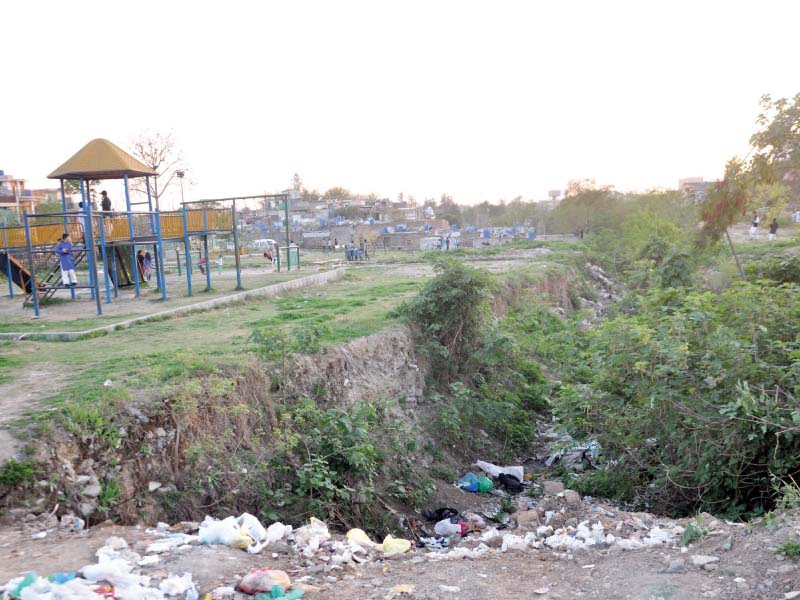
(219, 264)
(148, 266)
(64, 250)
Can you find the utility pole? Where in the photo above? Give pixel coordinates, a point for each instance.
(288, 247)
(180, 174)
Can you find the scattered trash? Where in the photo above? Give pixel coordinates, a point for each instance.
(468, 482)
(276, 532)
(309, 537)
(227, 532)
(175, 586)
(393, 545)
(108, 383)
(446, 527)
(263, 580)
(495, 471)
(510, 483)
(573, 454)
(484, 484)
(439, 513)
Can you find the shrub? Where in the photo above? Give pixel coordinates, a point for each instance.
(695, 394)
(450, 313)
(18, 473)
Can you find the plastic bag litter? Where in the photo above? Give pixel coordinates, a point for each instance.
(514, 542)
(176, 586)
(278, 592)
(75, 589)
(309, 537)
(446, 527)
(360, 539)
(226, 532)
(574, 454)
(484, 484)
(393, 545)
(658, 536)
(252, 526)
(495, 471)
(263, 580)
(490, 534)
(276, 532)
(115, 571)
(562, 539)
(468, 482)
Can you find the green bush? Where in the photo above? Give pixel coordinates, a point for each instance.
(696, 392)
(790, 550)
(450, 313)
(780, 269)
(18, 473)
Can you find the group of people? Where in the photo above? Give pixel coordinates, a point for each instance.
(754, 227)
(353, 252)
(144, 261)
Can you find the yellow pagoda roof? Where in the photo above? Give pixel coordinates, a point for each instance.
(101, 159)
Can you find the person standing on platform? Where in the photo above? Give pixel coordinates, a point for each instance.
(64, 250)
(105, 204)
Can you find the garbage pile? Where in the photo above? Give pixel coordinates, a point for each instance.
(537, 516)
(518, 514)
(124, 574)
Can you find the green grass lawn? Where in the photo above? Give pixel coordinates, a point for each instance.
(154, 357)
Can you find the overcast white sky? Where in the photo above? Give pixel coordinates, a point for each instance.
(480, 100)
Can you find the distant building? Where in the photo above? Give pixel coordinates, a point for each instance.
(14, 196)
(694, 188)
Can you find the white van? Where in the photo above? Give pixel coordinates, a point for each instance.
(263, 245)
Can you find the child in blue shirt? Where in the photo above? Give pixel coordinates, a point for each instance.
(64, 251)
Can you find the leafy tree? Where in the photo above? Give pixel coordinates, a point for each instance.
(337, 193)
(73, 187)
(351, 213)
(449, 210)
(769, 178)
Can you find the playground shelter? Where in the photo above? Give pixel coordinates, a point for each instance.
(28, 251)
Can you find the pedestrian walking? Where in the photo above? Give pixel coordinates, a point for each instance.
(773, 230)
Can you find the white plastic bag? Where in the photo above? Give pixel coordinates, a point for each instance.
(252, 526)
(176, 586)
(226, 532)
(309, 537)
(276, 532)
(495, 471)
(445, 527)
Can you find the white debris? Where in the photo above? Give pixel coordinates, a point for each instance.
(176, 586)
(495, 471)
(309, 537)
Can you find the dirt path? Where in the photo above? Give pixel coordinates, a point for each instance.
(23, 393)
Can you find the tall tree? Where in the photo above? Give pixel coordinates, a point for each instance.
(768, 179)
(159, 152)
